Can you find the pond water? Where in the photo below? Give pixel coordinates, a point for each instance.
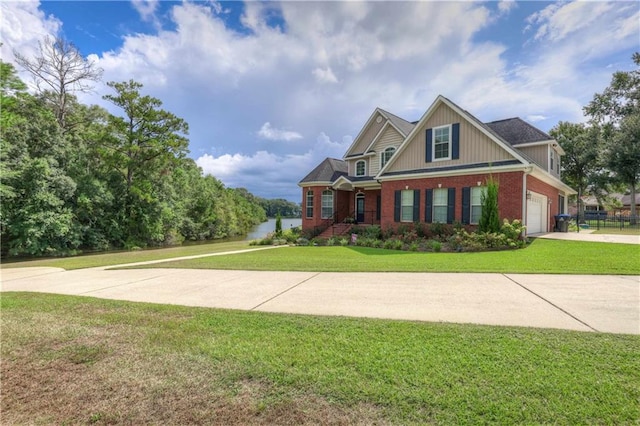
(264, 228)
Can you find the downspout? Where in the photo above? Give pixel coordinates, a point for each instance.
(527, 171)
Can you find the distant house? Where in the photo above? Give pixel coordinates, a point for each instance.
(435, 170)
(593, 207)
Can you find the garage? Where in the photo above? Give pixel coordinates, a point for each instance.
(536, 213)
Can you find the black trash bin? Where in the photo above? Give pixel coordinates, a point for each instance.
(562, 223)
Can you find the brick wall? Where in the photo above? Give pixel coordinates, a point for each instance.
(509, 194)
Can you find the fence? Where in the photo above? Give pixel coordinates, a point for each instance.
(598, 220)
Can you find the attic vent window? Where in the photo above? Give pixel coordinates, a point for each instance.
(379, 120)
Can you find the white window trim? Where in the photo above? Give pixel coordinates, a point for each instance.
(322, 205)
(403, 206)
(383, 153)
(483, 189)
(434, 205)
(309, 197)
(433, 145)
(364, 173)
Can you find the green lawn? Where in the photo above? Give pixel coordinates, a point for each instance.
(119, 258)
(74, 360)
(541, 256)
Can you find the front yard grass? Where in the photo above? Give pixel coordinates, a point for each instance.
(541, 256)
(75, 360)
(124, 257)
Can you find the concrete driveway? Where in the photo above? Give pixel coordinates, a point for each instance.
(585, 303)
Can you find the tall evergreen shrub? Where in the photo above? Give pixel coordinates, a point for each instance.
(489, 219)
(278, 225)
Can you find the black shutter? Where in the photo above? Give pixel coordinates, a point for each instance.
(396, 206)
(451, 205)
(428, 206)
(416, 205)
(455, 141)
(429, 145)
(378, 206)
(466, 205)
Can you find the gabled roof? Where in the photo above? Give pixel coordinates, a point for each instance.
(492, 134)
(328, 171)
(517, 131)
(401, 124)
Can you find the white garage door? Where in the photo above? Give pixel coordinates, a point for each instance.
(536, 214)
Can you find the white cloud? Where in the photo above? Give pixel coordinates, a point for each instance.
(22, 25)
(534, 118)
(271, 133)
(268, 174)
(147, 10)
(325, 75)
(505, 6)
(328, 65)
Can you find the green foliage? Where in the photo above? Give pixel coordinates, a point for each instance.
(285, 208)
(489, 219)
(581, 165)
(104, 181)
(278, 225)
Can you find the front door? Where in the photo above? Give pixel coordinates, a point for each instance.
(360, 208)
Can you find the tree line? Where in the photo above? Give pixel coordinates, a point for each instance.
(603, 155)
(75, 177)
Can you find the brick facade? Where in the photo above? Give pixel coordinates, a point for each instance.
(509, 194)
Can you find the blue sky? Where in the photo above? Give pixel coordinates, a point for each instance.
(270, 89)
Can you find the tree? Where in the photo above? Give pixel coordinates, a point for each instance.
(278, 225)
(617, 108)
(60, 70)
(489, 218)
(141, 146)
(581, 165)
(623, 156)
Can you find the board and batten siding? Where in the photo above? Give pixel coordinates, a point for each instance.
(539, 154)
(368, 134)
(475, 146)
(390, 137)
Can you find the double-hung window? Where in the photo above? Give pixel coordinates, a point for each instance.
(327, 204)
(309, 204)
(440, 201)
(361, 168)
(476, 203)
(442, 143)
(406, 206)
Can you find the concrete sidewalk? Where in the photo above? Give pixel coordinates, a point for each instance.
(584, 303)
(588, 235)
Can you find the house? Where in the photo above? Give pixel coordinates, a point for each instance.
(618, 204)
(435, 170)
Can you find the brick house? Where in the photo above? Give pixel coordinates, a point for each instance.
(435, 170)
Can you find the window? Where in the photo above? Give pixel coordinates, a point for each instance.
(327, 204)
(386, 156)
(406, 207)
(361, 168)
(551, 162)
(309, 204)
(476, 203)
(440, 201)
(442, 143)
